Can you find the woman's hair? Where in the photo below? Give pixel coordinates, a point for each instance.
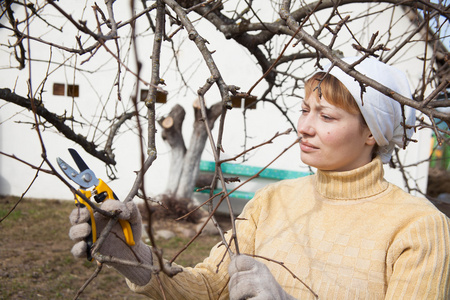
(334, 92)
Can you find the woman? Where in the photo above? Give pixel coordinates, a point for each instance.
(344, 232)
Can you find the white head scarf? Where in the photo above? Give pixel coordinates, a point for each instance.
(382, 114)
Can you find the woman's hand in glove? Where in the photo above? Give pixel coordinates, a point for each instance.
(115, 244)
(251, 279)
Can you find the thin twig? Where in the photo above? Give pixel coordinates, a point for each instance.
(287, 269)
(89, 280)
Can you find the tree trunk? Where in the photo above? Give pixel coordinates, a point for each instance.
(185, 163)
(172, 134)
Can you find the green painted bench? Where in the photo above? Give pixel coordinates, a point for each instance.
(247, 171)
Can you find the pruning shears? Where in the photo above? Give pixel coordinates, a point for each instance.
(86, 179)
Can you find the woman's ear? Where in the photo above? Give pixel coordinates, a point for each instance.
(370, 139)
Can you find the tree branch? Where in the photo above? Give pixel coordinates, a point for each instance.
(58, 122)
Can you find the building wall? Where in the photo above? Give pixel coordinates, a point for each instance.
(96, 77)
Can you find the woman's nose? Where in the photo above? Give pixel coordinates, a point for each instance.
(305, 126)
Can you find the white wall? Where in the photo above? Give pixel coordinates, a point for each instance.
(237, 68)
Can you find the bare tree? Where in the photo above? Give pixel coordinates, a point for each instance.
(287, 40)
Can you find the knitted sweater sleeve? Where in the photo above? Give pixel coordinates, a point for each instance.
(419, 262)
(208, 279)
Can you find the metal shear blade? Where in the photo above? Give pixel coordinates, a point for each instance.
(78, 160)
(86, 178)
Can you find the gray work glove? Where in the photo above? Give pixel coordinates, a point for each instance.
(251, 279)
(114, 244)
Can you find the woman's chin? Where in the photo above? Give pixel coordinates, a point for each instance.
(308, 159)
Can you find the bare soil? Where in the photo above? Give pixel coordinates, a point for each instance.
(35, 258)
(438, 184)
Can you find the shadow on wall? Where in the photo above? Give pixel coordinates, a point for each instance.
(5, 187)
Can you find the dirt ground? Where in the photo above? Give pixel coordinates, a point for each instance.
(439, 183)
(35, 258)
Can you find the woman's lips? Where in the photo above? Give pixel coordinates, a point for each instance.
(307, 147)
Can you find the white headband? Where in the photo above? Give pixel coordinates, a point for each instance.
(382, 114)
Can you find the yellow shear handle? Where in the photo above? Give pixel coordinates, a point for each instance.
(92, 237)
(91, 212)
(103, 187)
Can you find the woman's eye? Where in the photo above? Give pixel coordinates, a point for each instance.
(327, 117)
(303, 111)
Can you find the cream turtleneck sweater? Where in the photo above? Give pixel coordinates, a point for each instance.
(346, 235)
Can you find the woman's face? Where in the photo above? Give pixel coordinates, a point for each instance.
(332, 138)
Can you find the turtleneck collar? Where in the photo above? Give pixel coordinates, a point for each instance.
(356, 184)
